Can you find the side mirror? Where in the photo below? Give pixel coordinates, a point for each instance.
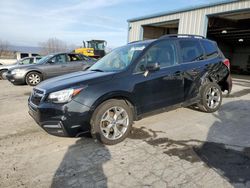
(153, 67)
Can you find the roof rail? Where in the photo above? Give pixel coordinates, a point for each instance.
(182, 36)
(134, 41)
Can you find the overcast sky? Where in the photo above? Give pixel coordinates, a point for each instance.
(28, 22)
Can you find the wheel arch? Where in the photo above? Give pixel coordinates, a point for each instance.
(29, 71)
(119, 95)
(37, 71)
(225, 83)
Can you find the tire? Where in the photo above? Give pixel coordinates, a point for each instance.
(104, 122)
(1, 74)
(33, 78)
(211, 97)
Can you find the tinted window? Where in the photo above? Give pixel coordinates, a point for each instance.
(210, 48)
(163, 53)
(190, 50)
(74, 57)
(59, 59)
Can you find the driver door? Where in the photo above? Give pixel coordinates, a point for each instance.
(161, 88)
(55, 66)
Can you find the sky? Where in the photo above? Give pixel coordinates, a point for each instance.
(30, 22)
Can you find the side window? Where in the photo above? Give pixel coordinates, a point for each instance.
(163, 53)
(190, 50)
(74, 57)
(25, 61)
(59, 59)
(210, 48)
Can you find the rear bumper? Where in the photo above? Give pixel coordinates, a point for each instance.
(69, 120)
(15, 79)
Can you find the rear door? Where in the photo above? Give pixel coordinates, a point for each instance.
(162, 88)
(193, 63)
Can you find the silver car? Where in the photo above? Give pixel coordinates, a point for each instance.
(49, 66)
(21, 62)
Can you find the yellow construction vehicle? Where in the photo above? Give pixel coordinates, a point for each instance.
(94, 48)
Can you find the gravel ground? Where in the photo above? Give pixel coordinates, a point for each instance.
(181, 148)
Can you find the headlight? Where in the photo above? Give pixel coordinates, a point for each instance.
(63, 95)
(17, 71)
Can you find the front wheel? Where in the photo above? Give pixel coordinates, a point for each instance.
(2, 74)
(111, 122)
(211, 97)
(33, 78)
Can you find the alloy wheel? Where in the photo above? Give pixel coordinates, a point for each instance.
(114, 123)
(213, 97)
(34, 79)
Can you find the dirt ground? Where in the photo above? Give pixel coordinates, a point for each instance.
(181, 148)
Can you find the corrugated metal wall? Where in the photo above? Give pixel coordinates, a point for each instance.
(190, 22)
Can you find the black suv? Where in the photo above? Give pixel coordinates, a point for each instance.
(131, 82)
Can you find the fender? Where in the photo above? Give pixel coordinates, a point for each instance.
(124, 95)
(34, 70)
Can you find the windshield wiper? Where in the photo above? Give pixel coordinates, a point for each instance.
(97, 70)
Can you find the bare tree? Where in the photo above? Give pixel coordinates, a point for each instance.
(4, 47)
(53, 45)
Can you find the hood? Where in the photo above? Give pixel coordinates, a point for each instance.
(81, 78)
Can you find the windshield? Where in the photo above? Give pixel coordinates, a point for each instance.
(96, 45)
(44, 59)
(118, 59)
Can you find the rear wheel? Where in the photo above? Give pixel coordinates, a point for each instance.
(211, 97)
(33, 78)
(2, 72)
(111, 121)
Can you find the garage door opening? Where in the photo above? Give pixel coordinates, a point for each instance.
(154, 31)
(232, 33)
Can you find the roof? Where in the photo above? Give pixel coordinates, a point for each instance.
(25, 49)
(181, 10)
(142, 41)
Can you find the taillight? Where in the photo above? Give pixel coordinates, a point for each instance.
(227, 63)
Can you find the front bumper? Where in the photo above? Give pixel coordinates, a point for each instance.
(16, 79)
(68, 120)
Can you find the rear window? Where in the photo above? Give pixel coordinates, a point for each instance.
(210, 48)
(191, 50)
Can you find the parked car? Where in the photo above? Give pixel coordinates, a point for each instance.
(132, 82)
(21, 62)
(49, 66)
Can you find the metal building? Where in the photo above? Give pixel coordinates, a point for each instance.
(227, 22)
